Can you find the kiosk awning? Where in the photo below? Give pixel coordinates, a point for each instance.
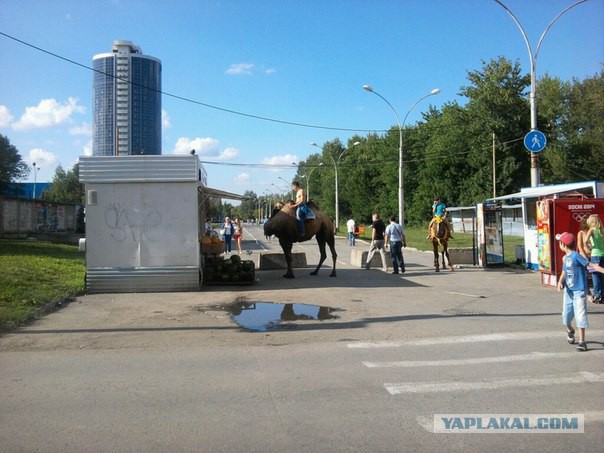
(221, 194)
(544, 191)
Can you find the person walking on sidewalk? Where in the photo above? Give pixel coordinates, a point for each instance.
(350, 226)
(378, 228)
(395, 236)
(572, 282)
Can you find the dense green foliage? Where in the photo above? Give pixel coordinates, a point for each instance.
(450, 152)
(11, 165)
(66, 186)
(35, 275)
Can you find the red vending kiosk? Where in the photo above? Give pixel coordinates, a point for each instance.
(557, 216)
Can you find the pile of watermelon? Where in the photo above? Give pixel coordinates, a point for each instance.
(233, 269)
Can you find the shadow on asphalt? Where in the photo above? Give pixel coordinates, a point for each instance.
(302, 326)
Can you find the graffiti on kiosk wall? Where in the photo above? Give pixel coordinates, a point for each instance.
(137, 223)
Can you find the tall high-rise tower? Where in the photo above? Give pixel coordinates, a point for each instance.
(127, 102)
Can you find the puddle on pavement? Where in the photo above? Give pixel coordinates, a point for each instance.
(263, 316)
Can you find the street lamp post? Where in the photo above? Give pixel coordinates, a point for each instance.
(401, 190)
(281, 190)
(35, 179)
(268, 202)
(308, 179)
(287, 184)
(535, 177)
(336, 162)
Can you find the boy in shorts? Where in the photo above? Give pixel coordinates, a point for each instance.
(572, 280)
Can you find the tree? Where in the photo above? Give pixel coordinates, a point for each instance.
(65, 187)
(248, 209)
(573, 114)
(498, 104)
(11, 165)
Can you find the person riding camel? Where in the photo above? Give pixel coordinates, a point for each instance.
(301, 208)
(439, 212)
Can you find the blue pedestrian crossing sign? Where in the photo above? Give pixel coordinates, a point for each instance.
(535, 141)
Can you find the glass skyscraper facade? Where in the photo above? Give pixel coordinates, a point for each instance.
(126, 102)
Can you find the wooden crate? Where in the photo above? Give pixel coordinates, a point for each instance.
(212, 249)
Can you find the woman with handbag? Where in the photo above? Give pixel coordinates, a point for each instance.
(228, 229)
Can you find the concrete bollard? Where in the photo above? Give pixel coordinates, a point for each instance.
(461, 255)
(358, 258)
(271, 261)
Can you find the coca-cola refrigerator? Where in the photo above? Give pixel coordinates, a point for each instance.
(556, 216)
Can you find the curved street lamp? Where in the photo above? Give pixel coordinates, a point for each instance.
(535, 178)
(308, 179)
(401, 190)
(335, 165)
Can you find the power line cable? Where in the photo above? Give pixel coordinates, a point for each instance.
(186, 99)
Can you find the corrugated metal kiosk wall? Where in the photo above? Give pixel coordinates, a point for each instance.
(142, 223)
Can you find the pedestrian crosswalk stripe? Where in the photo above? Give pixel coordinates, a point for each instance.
(474, 361)
(436, 387)
(504, 336)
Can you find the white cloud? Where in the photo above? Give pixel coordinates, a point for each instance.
(88, 149)
(43, 159)
(205, 148)
(242, 179)
(248, 69)
(5, 117)
(281, 161)
(165, 120)
(82, 129)
(48, 113)
(240, 69)
(229, 153)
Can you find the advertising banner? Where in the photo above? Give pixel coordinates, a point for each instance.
(559, 216)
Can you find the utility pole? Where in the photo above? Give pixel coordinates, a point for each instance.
(494, 179)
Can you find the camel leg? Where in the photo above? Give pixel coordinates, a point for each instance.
(449, 260)
(436, 258)
(334, 256)
(446, 254)
(323, 253)
(287, 252)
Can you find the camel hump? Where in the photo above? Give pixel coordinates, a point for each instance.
(312, 205)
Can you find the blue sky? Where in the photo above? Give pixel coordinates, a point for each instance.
(298, 61)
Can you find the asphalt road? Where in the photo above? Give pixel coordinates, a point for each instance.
(172, 371)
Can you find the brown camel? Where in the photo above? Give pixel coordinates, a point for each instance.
(439, 235)
(282, 224)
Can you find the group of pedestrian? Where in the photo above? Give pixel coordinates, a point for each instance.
(232, 230)
(576, 266)
(382, 237)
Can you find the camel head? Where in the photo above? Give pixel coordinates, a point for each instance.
(281, 215)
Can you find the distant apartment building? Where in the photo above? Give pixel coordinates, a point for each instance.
(126, 102)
